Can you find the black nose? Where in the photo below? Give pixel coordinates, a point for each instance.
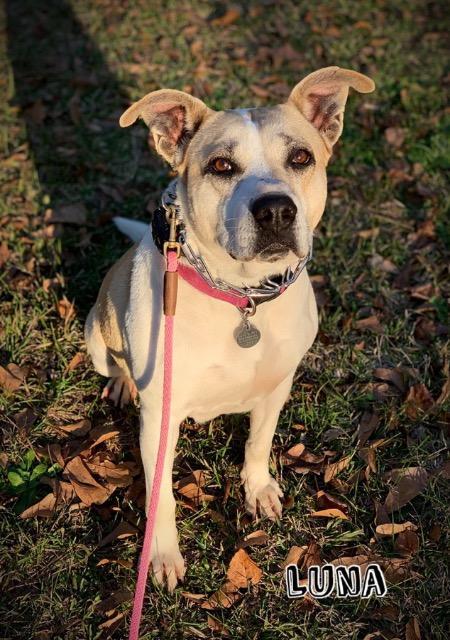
(274, 212)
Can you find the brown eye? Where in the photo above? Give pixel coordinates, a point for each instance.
(300, 157)
(221, 165)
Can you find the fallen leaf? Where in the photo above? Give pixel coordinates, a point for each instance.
(395, 136)
(231, 14)
(392, 375)
(123, 530)
(295, 452)
(127, 564)
(86, 487)
(408, 483)
(191, 487)
(312, 556)
(12, 376)
(407, 543)
(45, 508)
(368, 424)
(333, 469)
(4, 253)
(325, 500)
(66, 309)
(112, 623)
(243, 570)
(255, 538)
(418, 401)
(370, 324)
(98, 436)
(392, 528)
(412, 630)
(75, 362)
(294, 556)
(435, 533)
(215, 625)
(224, 598)
(117, 475)
(80, 428)
(25, 419)
(329, 513)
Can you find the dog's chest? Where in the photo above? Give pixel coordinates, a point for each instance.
(215, 375)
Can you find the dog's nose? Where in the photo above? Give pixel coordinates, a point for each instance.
(274, 212)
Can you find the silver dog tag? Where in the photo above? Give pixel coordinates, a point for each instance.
(246, 335)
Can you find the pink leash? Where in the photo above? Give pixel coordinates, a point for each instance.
(172, 266)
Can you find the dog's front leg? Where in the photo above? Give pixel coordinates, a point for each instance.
(167, 561)
(262, 492)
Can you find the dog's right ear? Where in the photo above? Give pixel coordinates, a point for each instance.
(172, 116)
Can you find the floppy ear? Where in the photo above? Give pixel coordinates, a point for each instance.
(322, 95)
(172, 116)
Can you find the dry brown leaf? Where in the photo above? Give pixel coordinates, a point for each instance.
(223, 598)
(294, 556)
(232, 13)
(395, 136)
(112, 623)
(191, 487)
(412, 630)
(66, 309)
(255, 538)
(215, 625)
(75, 362)
(435, 533)
(80, 428)
(127, 564)
(393, 375)
(193, 597)
(392, 528)
(3, 459)
(116, 474)
(418, 401)
(295, 452)
(86, 487)
(407, 543)
(408, 483)
(43, 509)
(312, 556)
(325, 500)
(123, 530)
(334, 468)
(12, 376)
(98, 435)
(243, 570)
(329, 513)
(368, 424)
(369, 324)
(4, 253)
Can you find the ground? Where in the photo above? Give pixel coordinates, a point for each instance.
(379, 367)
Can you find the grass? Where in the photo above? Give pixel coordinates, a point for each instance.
(68, 70)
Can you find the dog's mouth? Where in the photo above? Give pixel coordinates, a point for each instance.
(272, 252)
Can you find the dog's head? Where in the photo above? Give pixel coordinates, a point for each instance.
(252, 182)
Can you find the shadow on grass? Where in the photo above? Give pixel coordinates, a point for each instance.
(71, 101)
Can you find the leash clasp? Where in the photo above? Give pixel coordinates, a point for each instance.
(173, 242)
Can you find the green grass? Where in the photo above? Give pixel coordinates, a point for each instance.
(85, 62)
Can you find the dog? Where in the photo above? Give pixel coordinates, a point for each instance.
(251, 188)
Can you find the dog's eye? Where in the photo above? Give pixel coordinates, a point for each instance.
(300, 158)
(221, 166)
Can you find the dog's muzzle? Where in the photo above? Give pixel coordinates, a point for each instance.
(274, 216)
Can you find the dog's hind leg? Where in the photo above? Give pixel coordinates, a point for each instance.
(262, 492)
(120, 389)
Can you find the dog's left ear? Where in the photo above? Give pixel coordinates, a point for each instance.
(322, 95)
(172, 116)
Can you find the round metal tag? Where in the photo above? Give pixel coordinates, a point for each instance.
(246, 335)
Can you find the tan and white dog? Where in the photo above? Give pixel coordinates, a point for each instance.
(251, 187)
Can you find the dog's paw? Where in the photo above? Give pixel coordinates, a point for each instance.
(120, 391)
(168, 566)
(262, 495)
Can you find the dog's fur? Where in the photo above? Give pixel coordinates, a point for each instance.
(213, 375)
